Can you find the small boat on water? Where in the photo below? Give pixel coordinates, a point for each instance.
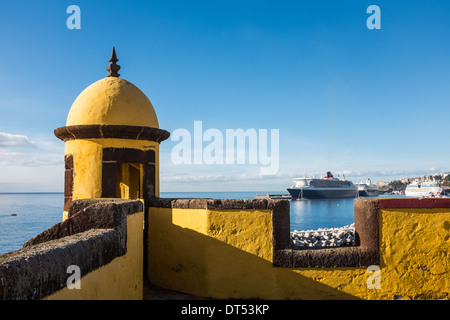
(367, 189)
(327, 187)
(423, 189)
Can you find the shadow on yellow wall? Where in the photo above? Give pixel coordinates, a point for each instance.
(187, 259)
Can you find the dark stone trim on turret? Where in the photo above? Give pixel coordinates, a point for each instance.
(68, 181)
(94, 234)
(113, 156)
(111, 131)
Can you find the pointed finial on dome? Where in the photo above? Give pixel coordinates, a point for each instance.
(113, 68)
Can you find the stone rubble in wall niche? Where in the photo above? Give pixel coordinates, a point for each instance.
(323, 237)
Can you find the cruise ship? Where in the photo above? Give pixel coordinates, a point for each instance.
(367, 189)
(324, 188)
(423, 189)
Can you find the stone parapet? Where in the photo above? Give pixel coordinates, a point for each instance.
(94, 234)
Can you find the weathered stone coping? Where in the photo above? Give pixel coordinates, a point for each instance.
(93, 235)
(90, 214)
(417, 203)
(366, 250)
(364, 253)
(279, 208)
(284, 255)
(206, 203)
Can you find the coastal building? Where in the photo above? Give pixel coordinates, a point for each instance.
(405, 180)
(380, 184)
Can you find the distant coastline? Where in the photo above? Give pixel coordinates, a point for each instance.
(31, 192)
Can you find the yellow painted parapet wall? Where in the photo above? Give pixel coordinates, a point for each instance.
(103, 238)
(121, 279)
(233, 249)
(414, 248)
(237, 249)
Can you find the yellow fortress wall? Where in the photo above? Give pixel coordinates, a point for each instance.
(121, 279)
(183, 250)
(415, 246)
(102, 238)
(223, 253)
(222, 249)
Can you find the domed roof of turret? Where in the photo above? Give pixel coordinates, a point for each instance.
(112, 101)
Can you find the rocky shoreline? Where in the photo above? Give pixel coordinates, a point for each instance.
(324, 237)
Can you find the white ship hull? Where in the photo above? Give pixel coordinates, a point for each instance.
(322, 188)
(423, 189)
(368, 192)
(367, 189)
(322, 193)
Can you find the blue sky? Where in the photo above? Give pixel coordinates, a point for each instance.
(367, 103)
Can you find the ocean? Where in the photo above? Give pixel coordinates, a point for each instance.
(24, 215)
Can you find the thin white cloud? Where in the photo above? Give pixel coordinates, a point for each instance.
(20, 159)
(199, 177)
(282, 179)
(30, 166)
(20, 151)
(14, 140)
(223, 177)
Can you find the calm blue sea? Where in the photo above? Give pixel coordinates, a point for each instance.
(23, 216)
(34, 212)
